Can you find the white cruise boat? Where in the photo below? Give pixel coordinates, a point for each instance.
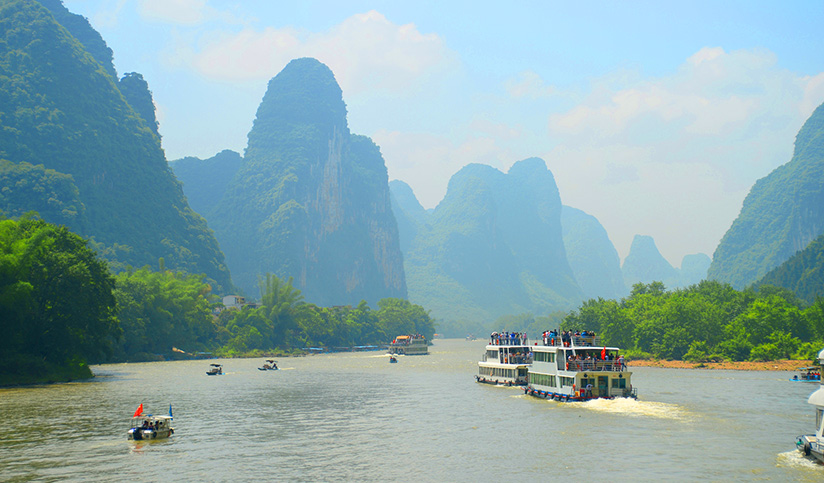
(569, 367)
(410, 345)
(813, 444)
(505, 361)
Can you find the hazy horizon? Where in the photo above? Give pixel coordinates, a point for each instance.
(654, 118)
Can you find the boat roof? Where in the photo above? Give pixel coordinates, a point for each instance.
(216, 365)
(151, 416)
(811, 368)
(817, 398)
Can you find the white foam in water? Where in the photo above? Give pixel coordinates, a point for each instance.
(795, 459)
(633, 407)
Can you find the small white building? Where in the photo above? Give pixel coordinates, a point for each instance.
(234, 301)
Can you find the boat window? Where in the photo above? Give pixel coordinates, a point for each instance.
(567, 381)
(619, 383)
(542, 379)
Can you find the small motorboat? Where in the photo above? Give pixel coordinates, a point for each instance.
(269, 365)
(807, 374)
(393, 359)
(149, 427)
(216, 370)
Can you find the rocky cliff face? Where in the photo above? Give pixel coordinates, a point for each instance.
(492, 247)
(782, 214)
(311, 200)
(592, 256)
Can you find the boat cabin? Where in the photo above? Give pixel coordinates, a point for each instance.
(575, 366)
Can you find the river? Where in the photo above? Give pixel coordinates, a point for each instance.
(355, 417)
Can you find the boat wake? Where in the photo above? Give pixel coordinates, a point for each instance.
(633, 407)
(794, 459)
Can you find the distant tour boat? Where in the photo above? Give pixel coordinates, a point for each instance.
(269, 365)
(576, 367)
(813, 444)
(149, 427)
(410, 345)
(506, 360)
(216, 370)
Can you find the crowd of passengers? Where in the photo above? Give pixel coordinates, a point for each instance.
(589, 362)
(516, 357)
(508, 338)
(584, 338)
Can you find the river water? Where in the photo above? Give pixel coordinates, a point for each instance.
(355, 417)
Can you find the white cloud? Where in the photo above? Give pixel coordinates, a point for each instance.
(529, 85)
(186, 12)
(675, 156)
(365, 51)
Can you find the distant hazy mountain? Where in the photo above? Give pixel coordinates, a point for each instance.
(493, 246)
(205, 181)
(694, 269)
(803, 273)
(82, 154)
(646, 264)
(591, 255)
(310, 200)
(782, 214)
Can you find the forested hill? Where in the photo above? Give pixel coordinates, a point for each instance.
(94, 160)
(782, 214)
(80, 28)
(205, 181)
(493, 246)
(803, 273)
(311, 200)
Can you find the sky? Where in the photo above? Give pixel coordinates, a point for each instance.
(654, 117)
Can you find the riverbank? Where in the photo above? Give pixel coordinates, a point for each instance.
(779, 365)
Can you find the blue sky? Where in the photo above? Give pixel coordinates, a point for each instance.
(655, 117)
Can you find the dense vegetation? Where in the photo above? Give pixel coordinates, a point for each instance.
(61, 307)
(56, 301)
(707, 321)
(803, 273)
(781, 215)
(71, 131)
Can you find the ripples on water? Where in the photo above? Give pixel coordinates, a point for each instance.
(345, 417)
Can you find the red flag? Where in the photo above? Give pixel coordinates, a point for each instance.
(139, 411)
(604, 354)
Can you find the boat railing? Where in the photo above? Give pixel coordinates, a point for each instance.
(630, 392)
(595, 365)
(504, 341)
(572, 341)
